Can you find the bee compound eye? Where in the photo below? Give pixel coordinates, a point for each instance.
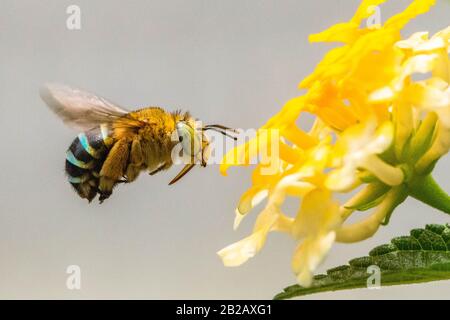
(180, 138)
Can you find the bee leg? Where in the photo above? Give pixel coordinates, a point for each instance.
(162, 167)
(136, 160)
(113, 168)
(104, 196)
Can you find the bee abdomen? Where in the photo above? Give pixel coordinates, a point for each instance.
(84, 160)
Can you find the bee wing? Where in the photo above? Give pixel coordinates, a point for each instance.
(79, 109)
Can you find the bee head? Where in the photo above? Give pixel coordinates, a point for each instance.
(194, 142)
(192, 138)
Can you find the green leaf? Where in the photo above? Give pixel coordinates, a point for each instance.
(422, 256)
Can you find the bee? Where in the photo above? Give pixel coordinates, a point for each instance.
(115, 145)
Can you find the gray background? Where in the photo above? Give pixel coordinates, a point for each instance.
(235, 62)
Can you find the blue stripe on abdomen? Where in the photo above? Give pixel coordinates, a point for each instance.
(84, 160)
(80, 164)
(87, 147)
(79, 179)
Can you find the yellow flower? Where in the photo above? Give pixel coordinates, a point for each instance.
(314, 226)
(432, 95)
(377, 132)
(298, 182)
(358, 147)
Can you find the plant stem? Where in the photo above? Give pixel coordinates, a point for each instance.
(426, 189)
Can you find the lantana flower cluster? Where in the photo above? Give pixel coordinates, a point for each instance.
(382, 121)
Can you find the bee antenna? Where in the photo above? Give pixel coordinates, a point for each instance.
(219, 126)
(220, 131)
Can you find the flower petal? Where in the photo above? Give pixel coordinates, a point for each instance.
(238, 253)
(308, 256)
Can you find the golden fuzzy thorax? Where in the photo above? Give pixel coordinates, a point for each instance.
(142, 141)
